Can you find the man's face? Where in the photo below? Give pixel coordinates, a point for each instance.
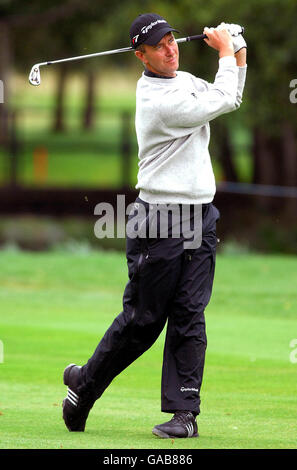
(162, 58)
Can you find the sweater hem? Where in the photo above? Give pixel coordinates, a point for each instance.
(161, 198)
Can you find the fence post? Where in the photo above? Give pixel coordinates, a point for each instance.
(40, 164)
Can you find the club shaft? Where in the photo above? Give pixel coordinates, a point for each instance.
(34, 77)
(88, 56)
(114, 51)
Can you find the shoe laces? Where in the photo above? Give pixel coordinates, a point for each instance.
(182, 416)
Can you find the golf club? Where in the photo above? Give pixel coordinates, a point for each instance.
(35, 79)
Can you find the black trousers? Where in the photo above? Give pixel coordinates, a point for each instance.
(167, 283)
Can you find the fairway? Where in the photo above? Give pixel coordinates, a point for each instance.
(56, 306)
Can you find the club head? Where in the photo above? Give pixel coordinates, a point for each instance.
(34, 77)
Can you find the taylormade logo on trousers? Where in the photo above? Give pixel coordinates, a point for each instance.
(154, 221)
(183, 389)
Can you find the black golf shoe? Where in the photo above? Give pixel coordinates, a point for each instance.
(183, 424)
(76, 407)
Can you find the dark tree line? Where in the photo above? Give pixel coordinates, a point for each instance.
(267, 112)
(30, 30)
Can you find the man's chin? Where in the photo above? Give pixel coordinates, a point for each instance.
(172, 70)
(174, 67)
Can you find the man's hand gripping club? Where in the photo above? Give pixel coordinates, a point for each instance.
(219, 39)
(228, 40)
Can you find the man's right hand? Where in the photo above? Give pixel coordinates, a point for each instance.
(220, 40)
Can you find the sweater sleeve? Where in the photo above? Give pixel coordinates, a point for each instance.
(241, 82)
(185, 109)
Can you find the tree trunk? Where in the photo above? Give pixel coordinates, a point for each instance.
(275, 163)
(263, 168)
(89, 111)
(5, 76)
(289, 155)
(225, 152)
(59, 118)
(289, 163)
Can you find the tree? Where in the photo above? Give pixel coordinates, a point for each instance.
(21, 20)
(266, 111)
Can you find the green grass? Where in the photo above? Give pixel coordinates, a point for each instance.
(56, 306)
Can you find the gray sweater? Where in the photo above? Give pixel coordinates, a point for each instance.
(172, 128)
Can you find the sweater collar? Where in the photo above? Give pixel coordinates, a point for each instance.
(148, 73)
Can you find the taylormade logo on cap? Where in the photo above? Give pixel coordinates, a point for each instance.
(145, 29)
(148, 28)
(135, 39)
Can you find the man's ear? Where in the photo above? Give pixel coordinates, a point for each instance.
(140, 56)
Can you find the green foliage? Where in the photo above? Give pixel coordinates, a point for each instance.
(270, 31)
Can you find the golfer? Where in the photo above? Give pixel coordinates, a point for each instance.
(168, 281)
